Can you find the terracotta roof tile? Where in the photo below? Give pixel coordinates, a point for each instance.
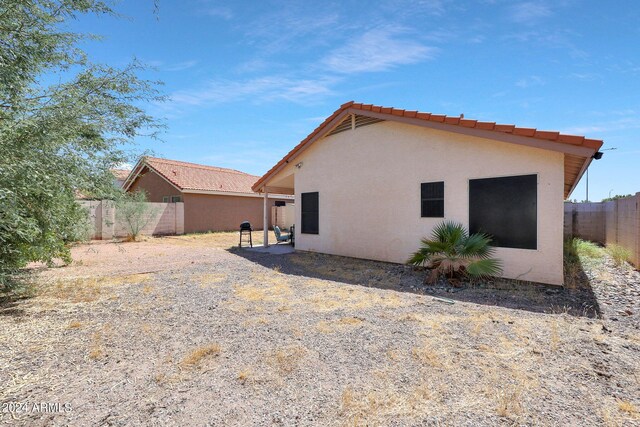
(192, 176)
(545, 134)
(468, 123)
(571, 139)
(504, 128)
(486, 125)
(121, 174)
(524, 131)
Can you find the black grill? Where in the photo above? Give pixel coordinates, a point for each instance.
(246, 229)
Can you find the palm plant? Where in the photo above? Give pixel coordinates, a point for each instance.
(452, 251)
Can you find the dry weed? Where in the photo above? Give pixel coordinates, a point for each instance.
(75, 325)
(89, 289)
(509, 402)
(287, 359)
(198, 355)
(628, 408)
(339, 325)
(386, 404)
(244, 376)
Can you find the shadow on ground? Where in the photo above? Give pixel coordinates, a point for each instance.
(578, 300)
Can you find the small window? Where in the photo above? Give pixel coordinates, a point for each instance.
(176, 199)
(432, 199)
(310, 209)
(506, 209)
(279, 203)
(165, 199)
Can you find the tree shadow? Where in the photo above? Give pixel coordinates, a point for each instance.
(577, 299)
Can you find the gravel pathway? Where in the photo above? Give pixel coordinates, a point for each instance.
(185, 332)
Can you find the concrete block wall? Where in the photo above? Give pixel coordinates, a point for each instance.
(163, 218)
(615, 222)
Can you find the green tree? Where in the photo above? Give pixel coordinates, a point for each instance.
(452, 251)
(58, 139)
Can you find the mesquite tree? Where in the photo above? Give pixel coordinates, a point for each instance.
(58, 139)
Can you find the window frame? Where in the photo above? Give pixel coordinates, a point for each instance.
(424, 214)
(303, 228)
(176, 201)
(535, 211)
(165, 199)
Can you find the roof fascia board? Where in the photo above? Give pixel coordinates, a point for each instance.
(584, 168)
(133, 175)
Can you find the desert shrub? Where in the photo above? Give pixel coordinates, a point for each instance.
(452, 251)
(134, 212)
(619, 254)
(578, 248)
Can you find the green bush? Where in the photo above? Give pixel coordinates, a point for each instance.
(619, 254)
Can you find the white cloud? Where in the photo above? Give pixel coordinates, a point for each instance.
(180, 66)
(377, 50)
(529, 12)
(255, 90)
(220, 12)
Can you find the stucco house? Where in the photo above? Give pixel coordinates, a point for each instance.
(215, 199)
(371, 181)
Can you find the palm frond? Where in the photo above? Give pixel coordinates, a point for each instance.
(484, 268)
(451, 250)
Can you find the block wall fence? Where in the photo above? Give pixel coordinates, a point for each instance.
(165, 218)
(616, 222)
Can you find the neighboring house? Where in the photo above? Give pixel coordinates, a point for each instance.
(120, 176)
(215, 199)
(371, 181)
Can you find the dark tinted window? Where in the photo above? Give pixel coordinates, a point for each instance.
(310, 208)
(432, 199)
(506, 209)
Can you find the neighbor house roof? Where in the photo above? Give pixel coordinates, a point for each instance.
(192, 177)
(578, 149)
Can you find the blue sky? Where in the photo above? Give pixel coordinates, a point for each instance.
(246, 81)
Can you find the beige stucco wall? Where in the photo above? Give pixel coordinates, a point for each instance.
(204, 212)
(369, 184)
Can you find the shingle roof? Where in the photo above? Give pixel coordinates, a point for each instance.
(192, 176)
(533, 133)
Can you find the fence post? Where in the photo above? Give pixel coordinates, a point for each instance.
(108, 219)
(179, 218)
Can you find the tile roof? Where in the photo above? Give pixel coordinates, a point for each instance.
(352, 106)
(192, 176)
(121, 174)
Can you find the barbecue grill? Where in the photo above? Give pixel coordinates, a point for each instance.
(246, 229)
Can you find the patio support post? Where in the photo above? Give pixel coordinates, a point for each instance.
(266, 219)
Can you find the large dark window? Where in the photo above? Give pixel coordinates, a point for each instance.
(310, 208)
(506, 209)
(432, 199)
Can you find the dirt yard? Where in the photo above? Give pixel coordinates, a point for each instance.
(186, 331)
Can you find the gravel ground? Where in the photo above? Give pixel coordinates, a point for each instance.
(185, 331)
